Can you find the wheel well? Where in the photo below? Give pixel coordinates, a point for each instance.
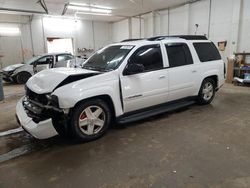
(105, 98)
(25, 72)
(215, 78)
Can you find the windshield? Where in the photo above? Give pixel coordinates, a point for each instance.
(31, 60)
(108, 59)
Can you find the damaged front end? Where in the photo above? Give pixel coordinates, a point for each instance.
(41, 107)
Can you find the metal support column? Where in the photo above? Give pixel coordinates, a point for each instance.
(1, 86)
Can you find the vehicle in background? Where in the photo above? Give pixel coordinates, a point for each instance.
(20, 73)
(122, 82)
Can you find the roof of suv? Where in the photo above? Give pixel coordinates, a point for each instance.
(174, 38)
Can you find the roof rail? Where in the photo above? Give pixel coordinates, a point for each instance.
(128, 40)
(186, 37)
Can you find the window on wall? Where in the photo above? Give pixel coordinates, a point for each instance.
(207, 51)
(178, 55)
(57, 45)
(149, 56)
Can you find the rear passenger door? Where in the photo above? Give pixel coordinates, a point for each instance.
(183, 73)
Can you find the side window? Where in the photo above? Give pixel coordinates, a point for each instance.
(45, 60)
(149, 56)
(207, 51)
(64, 57)
(178, 55)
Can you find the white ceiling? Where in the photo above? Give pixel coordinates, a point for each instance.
(120, 8)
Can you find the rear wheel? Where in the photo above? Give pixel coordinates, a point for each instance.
(22, 77)
(207, 92)
(90, 120)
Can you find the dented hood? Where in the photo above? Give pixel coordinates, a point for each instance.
(47, 80)
(12, 67)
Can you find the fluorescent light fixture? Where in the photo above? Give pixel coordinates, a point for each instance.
(9, 31)
(101, 10)
(90, 5)
(90, 9)
(93, 13)
(78, 8)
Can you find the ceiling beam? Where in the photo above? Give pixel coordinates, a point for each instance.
(43, 4)
(22, 10)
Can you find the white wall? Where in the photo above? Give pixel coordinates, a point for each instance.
(137, 27)
(10, 48)
(120, 30)
(178, 20)
(244, 44)
(229, 21)
(199, 14)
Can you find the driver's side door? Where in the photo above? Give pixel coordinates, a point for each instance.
(44, 62)
(149, 87)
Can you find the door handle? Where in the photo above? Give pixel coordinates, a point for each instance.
(162, 77)
(194, 71)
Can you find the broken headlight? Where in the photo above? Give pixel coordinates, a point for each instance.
(52, 100)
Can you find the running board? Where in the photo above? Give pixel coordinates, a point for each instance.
(153, 111)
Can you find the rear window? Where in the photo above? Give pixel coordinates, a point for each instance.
(207, 51)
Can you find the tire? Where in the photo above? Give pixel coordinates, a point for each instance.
(22, 77)
(60, 124)
(207, 92)
(95, 117)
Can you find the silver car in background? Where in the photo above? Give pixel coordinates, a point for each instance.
(20, 73)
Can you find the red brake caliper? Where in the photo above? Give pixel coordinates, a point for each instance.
(83, 116)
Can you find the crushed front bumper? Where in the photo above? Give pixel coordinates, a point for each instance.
(7, 77)
(42, 130)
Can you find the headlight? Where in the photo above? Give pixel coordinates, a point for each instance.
(49, 97)
(53, 100)
(10, 72)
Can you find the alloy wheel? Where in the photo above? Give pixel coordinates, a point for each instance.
(92, 120)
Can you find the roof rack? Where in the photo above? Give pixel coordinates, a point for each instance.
(187, 37)
(128, 40)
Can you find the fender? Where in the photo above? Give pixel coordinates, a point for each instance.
(79, 92)
(24, 68)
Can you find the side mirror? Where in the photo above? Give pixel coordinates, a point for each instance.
(133, 68)
(49, 61)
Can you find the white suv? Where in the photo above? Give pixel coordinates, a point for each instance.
(122, 82)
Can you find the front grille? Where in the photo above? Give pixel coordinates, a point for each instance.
(38, 107)
(41, 98)
(37, 113)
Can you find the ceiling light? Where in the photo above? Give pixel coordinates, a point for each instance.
(93, 13)
(90, 5)
(9, 31)
(89, 9)
(78, 8)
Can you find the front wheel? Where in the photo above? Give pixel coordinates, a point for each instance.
(207, 92)
(90, 120)
(22, 77)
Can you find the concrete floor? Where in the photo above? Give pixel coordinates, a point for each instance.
(12, 93)
(196, 147)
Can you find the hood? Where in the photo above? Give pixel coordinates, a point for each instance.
(12, 67)
(48, 80)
